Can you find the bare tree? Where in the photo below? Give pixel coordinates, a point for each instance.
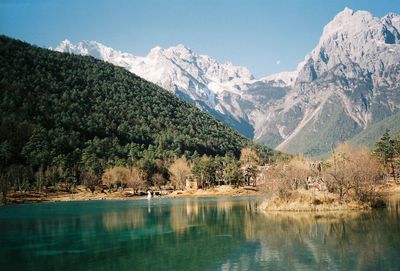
(115, 176)
(284, 176)
(136, 179)
(179, 170)
(158, 180)
(355, 174)
(90, 180)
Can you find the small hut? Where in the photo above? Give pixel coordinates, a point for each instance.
(191, 182)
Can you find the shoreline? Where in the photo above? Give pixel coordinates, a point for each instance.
(31, 197)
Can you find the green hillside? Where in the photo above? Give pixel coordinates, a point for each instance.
(316, 138)
(374, 132)
(72, 111)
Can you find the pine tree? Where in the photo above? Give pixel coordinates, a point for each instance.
(387, 149)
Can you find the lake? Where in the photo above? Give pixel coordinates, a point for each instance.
(194, 234)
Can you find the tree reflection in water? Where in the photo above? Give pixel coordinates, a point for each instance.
(331, 240)
(195, 234)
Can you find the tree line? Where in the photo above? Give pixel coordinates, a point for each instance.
(68, 118)
(206, 171)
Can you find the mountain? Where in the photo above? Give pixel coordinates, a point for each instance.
(229, 93)
(347, 83)
(197, 79)
(62, 111)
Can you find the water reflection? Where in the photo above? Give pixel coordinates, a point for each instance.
(131, 219)
(190, 234)
(334, 241)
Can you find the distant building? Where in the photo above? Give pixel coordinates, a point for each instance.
(191, 182)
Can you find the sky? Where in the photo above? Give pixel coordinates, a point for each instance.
(265, 36)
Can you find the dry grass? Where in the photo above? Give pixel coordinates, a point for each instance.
(310, 200)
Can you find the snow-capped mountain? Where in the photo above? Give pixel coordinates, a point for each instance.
(355, 37)
(282, 79)
(349, 82)
(196, 78)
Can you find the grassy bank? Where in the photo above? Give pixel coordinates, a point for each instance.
(313, 200)
(307, 200)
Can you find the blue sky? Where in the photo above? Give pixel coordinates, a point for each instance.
(265, 36)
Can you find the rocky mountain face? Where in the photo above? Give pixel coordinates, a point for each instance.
(350, 81)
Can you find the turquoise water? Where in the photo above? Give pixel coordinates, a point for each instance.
(194, 234)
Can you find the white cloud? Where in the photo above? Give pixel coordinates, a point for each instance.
(278, 62)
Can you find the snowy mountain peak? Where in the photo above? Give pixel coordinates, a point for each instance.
(353, 39)
(65, 44)
(350, 73)
(347, 21)
(180, 48)
(178, 51)
(92, 48)
(282, 79)
(362, 27)
(346, 10)
(156, 51)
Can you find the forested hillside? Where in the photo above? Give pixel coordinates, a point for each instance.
(75, 113)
